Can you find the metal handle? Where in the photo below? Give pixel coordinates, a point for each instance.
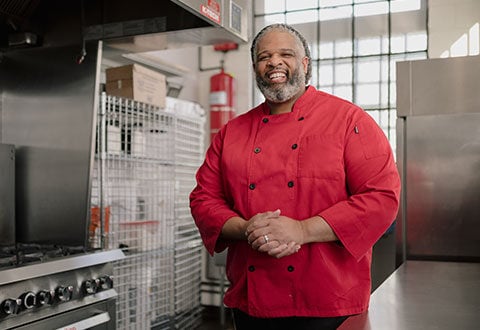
(88, 323)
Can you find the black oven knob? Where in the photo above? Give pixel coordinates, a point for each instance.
(28, 299)
(91, 286)
(11, 306)
(106, 282)
(64, 293)
(45, 297)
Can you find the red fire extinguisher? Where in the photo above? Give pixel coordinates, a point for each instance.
(222, 94)
(222, 86)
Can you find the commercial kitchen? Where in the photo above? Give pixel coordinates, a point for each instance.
(107, 108)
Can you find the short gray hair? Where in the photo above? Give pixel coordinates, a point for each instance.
(287, 28)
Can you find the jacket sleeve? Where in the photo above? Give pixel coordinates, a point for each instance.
(373, 185)
(208, 204)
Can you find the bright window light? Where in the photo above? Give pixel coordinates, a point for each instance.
(326, 49)
(416, 41)
(332, 3)
(335, 13)
(343, 73)
(369, 9)
(328, 89)
(338, 9)
(368, 72)
(445, 54)
(367, 95)
(398, 44)
(398, 6)
(474, 40)
(343, 48)
(375, 115)
(299, 17)
(393, 93)
(467, 44)
(345, 92)
(301, 4)
(460, 47)
(367, 46)
(326, 75)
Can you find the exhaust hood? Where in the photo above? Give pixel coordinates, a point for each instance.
(155, 25)
(138, 26)
(230, 15)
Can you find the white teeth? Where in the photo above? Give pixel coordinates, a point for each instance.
(276, 75)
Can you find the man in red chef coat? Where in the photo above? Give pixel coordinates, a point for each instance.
(298, 189)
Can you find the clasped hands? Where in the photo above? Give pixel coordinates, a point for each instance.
(274, 234)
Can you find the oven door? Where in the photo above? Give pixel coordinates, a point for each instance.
(96, 316)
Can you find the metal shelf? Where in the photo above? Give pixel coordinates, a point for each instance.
(143, 173)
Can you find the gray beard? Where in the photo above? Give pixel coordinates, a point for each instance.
(284, 92)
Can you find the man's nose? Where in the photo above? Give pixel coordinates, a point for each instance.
(275, 60)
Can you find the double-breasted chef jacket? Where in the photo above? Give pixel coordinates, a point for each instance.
(326, 157)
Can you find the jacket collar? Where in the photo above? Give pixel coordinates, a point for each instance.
(300, 108)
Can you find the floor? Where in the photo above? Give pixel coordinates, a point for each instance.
(212, 320)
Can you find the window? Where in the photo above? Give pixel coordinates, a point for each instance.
(355, 45)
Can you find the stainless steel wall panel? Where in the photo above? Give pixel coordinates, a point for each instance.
(400, 228)
(439, 159)
(419, 83)
(49, 106)
(404, 98)
(443, 186)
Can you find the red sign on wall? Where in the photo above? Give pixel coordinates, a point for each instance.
(214, 5)
(211, 11)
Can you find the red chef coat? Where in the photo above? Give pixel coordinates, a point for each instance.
(327, 157)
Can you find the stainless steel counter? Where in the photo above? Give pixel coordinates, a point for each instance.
(423, 295)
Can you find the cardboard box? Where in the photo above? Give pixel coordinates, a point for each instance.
(138, 83)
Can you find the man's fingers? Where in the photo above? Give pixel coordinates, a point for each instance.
(284, 250)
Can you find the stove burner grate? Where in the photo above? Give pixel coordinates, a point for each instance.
(25, 254)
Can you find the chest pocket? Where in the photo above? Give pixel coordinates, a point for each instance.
(373, 140)
(321, 157)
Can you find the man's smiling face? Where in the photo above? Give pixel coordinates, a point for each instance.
(280, 66)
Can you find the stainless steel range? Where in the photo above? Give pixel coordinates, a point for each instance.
(50, 278)
(73, 292)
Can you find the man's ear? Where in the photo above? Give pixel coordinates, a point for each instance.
(305, 61)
